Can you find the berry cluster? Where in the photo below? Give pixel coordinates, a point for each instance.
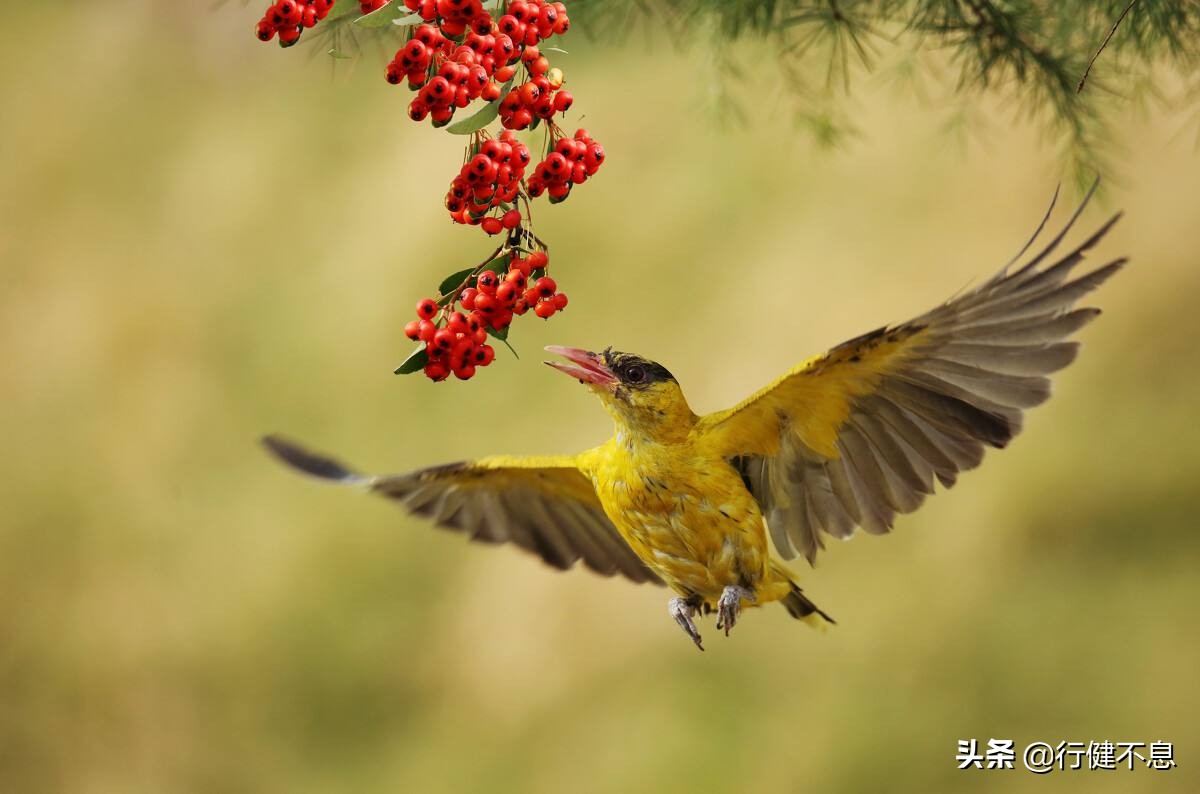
(533, 21)
(571, 162)
(537, 98)
(456, 338)
(451, 75)
(489, 179)
(454, 17)
(456, 52)
(289, 18)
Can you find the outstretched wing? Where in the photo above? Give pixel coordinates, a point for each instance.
(544, 505)
(858, 435)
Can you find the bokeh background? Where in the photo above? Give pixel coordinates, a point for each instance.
(203, 239)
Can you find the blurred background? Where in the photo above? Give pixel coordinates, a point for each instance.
(203, 239)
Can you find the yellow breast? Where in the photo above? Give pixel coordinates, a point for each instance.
(690, 519)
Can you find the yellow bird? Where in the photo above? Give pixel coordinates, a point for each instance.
(847, 439)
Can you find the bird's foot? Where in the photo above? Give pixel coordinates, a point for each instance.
(729, 606)
(683, 611)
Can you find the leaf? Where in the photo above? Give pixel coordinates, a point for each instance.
(555, 49)
(482, 117)
(451, 282)
(336, 53)
(409, 20)
(499, 265)
(344, 8)
(414, 363)
(503, 337)
(382, 16)
(477, 121)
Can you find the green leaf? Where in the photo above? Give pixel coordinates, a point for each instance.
(414, 363)
(409, 20)
(382, 16)
(499, 265)
(482, 117)
(452, 281)
(503, 337)
(477, 121)
(341, 9)
(336, 53)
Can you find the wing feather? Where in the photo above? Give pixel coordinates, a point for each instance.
(545, 506)
(859, 435)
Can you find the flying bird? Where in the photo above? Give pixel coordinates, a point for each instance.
(848, 439)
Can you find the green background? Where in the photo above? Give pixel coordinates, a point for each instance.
(203, 239)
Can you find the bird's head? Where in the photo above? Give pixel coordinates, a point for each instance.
(641, 395)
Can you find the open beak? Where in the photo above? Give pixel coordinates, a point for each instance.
(585, 366)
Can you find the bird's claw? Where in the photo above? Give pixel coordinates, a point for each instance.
(683, 612)
(729, 606)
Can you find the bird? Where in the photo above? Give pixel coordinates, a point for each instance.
(713, 506)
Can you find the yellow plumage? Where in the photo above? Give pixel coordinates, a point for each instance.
(848, 439)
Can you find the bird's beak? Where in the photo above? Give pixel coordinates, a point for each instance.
(585, 366)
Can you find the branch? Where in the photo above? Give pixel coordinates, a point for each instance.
(1103, 44)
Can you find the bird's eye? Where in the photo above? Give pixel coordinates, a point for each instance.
(635, 374)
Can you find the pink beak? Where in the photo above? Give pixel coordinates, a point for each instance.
(585, 366)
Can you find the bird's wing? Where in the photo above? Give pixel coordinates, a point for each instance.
(544, 505)
(852, 438)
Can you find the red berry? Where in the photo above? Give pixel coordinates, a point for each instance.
(412, 329)
(529, 93)
(545, 287)
(492, 225)
(418, 110)
(484, 355)
(487, 282)
(560, 301)
(563, 100)
(544, 309)
(465, 372)
(556, 164)
(436, 371)
(486, 305)
(444, 339)
(538, 259)
(511, 219)
(427, 308)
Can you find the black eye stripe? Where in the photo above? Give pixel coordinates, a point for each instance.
(635, 370)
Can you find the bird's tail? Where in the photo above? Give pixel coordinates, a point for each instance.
(800, 607)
